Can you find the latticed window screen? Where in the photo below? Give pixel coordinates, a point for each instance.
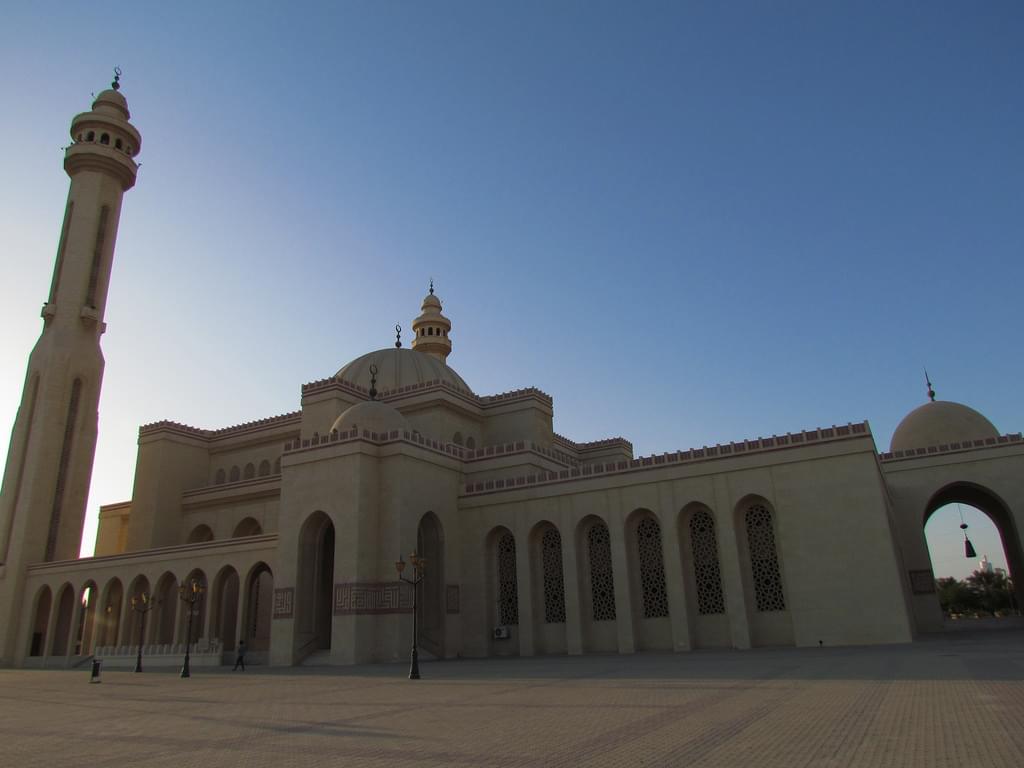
(652, 568)
(508, 590)
(554, 585)
(602, 581)
(707, 574)
(764, 560)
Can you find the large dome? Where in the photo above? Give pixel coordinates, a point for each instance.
(399, 367)
(940, 422)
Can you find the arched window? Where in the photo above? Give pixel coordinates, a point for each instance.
(105, 138)
(235, 474)
(471, 443)
(764, 560)
(652, 568)
(200, 534)
(707, 574)
(457, 438)
(221, 476)
(554, 585)
(508, 588)
(602, 581)
(250, 471)
(247, 527)
(264, 468)
(117, 143)
(90, 136)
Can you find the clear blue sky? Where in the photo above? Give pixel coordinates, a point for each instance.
(688, 222)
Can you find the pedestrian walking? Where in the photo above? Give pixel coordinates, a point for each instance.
(240, 661)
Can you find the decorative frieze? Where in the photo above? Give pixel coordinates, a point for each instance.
(451, 598)
(284, 602)
(372, 597)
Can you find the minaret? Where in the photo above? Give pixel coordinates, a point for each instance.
(49, 465)
(430, 330)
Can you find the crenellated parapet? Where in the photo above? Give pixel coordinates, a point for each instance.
(694, 455)
(526, 393)
(518, 446)
(175, 427)
(335, 437)
(966, 445)
(594, 445)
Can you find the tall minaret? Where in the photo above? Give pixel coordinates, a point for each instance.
(430, 330)
(53, 443)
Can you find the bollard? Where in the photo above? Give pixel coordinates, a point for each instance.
(96, 664)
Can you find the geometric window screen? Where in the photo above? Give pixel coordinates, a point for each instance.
(508, 590)
(706, 571)
(602, 582)
(764, 560)
(652, 568)
(554, 584)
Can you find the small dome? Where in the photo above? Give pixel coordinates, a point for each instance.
(940, 423)
(112, 101)
(399, 367)
(374, 416)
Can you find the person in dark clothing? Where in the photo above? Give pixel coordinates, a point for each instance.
(240, 661)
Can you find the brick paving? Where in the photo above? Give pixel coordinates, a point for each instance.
(955, 700)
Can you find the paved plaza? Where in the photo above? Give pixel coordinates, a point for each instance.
(954, 700)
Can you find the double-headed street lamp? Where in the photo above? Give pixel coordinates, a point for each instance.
(419, 564)
(190, 594)
(141, 605)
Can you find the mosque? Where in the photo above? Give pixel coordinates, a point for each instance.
(284, 531)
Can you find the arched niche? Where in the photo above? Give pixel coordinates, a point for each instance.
(314, 593)
(431, 604)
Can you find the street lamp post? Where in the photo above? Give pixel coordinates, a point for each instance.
(141, 605)
(419, 564)
(190, 594)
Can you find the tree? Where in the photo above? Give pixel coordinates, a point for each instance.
(991, 591)
(956, 596)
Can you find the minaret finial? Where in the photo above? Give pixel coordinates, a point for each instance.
(116, 85)
(373, 382)
(431, 286)
(931, 392)
(398, 336)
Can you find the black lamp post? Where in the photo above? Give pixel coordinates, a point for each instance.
(418, 566)
(190, 594)
(141, 605)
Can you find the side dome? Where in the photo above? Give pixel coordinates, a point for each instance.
(399, 367)
(372, 415)
(940, 422)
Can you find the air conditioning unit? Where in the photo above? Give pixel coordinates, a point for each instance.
(502, 633)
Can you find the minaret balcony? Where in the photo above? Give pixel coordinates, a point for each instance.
(89, 156)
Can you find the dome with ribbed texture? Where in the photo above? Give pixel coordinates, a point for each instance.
(398, 367)
(940, 423)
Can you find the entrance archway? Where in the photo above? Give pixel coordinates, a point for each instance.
(162, 617)
(62, 625)
(259, 595)
(315, 588)
(109, 622)
(431, 605)
(980, 498)
(224, 608)
(42, 617)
